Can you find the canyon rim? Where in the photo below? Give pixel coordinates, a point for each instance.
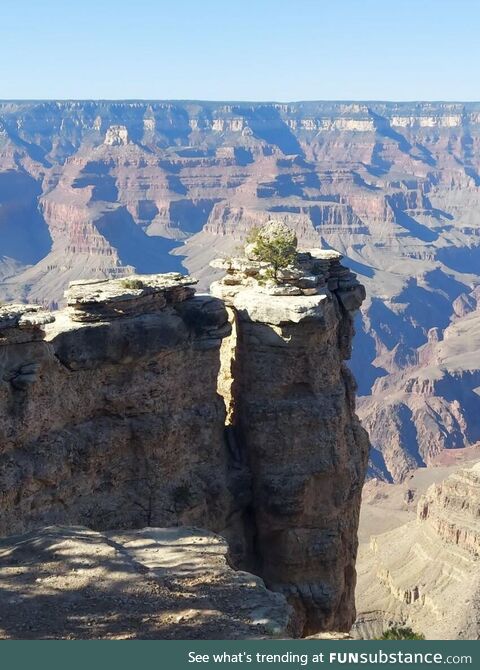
(132, 403)
(101, 189)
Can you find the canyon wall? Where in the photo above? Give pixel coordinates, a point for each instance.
(425, 573)
(109, 414)
(111, 417)
(452, 509)
(102, 189)
(432, 405)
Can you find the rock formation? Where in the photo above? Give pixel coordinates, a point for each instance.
(112, 417)
(99, 189)
(154, 583)
(432, 405)
(294, 393)
(109, 415)
(425, 573)
(452, 509)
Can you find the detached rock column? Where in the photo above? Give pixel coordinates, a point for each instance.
(295, 420)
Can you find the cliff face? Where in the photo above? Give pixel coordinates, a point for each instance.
(452, 509)
(432, 405)
(102, 189)
(293, 413)
(106, 418)
(425, 573)
(110, 418)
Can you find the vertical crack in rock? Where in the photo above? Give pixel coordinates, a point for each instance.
(295, 422)
(143, 403)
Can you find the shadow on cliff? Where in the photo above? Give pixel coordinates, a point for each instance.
(460, 259)
(34, 151)
(377, 466)
(267, 124)
(24, 234)
(384, 129)
(286, 185)
(415, 229)
(408, 434)
(358, 267)
(97, 175)
(363, 354)
(190, 216)
(408, 316)
(147, 254)
(378, 166)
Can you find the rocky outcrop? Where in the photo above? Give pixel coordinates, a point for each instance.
(154, 583)
(425, 573)
(294, 418)
(91, 301)
(452, 509)
(95, 189)
(116, 135)
(136, 406)
(109, 415)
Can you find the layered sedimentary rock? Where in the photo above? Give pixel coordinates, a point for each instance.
(154, 583)
(109, 415)
(294, 417)
(112, 417)
(99, 189)
(426, 573)
(452, 509)
(432, 405)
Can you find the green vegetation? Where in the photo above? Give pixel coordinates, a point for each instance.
(276, 245)
(133, 283)
(396, 633)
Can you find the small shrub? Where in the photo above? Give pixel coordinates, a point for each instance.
(133, 283)
(252, 236)
(398, 633)
(276, 245)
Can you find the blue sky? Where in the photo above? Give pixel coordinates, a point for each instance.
(240, 49)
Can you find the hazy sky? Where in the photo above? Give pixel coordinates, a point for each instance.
(240, 49)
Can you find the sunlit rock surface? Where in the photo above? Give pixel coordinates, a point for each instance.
(142, 403)
(424, 569)
(100, 190)
(154, 583)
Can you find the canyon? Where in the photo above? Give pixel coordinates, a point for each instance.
(418, 563)
(142, 407)
(98, 189)
(262, 448)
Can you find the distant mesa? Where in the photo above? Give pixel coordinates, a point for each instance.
(116, 136)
